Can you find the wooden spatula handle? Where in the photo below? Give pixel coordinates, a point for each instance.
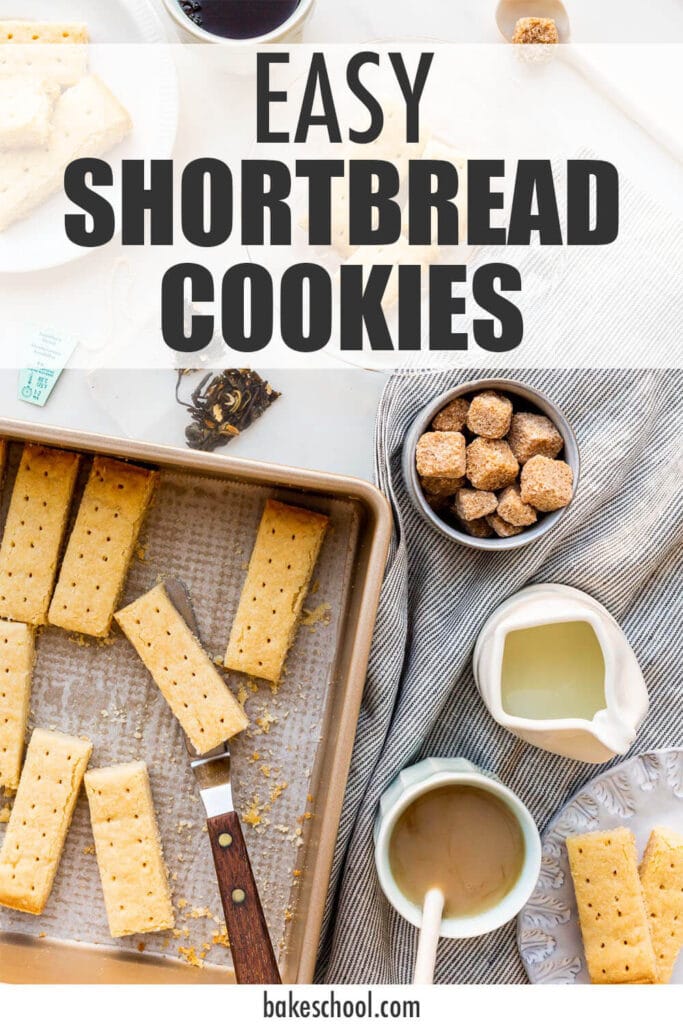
(252, 951)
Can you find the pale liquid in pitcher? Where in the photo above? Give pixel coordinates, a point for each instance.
(553, 671)
(462, 840)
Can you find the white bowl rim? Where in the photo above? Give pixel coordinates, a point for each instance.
(545, 406)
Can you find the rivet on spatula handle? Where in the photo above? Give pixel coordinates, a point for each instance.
(252, 951)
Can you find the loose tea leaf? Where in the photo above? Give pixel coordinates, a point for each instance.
(193, 10)
(223, 405)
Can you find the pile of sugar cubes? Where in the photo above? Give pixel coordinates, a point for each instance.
(491, 470)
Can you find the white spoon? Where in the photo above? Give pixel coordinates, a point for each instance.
(425, 961)
(507, 14)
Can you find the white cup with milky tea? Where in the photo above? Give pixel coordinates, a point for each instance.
(447, 823)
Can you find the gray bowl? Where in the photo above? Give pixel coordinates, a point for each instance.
(422, 424)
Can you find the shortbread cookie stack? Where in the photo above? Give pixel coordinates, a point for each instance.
(631, 920)
(52, 111)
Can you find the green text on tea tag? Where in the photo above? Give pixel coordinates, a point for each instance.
(47, 352)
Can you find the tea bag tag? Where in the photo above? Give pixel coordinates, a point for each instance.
(46, 352)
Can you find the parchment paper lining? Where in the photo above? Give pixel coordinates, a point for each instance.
(200, 529)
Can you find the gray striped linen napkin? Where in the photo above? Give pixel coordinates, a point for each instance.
(620, 541)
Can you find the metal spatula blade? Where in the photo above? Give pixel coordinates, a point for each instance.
(252, 950)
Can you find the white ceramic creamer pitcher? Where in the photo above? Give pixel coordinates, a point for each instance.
(612, 728)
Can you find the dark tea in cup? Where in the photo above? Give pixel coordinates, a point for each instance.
(239, 19)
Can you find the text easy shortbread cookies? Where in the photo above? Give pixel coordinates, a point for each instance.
(16, 668)
(186, 676)
(612, 912)
(287, 546)
(128, 847)
(661, 874)
(88, 120)
(101, 546)
(34, 531)
(40, 819)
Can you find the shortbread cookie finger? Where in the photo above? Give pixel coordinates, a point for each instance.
(128, 847)
(57, 51)
(287, 546)
(25, 32)
(34, 531)
(87, 121)
(612, 912)
(26, 105)
(16, 668)
(661, 874)
(40, 819)
(101, 546)
(186, 676)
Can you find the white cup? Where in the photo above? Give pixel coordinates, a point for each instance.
(288, 32)
(433, 773)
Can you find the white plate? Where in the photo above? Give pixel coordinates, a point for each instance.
(146, 86)
(640, 794)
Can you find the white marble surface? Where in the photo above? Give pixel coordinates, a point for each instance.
(326, 418)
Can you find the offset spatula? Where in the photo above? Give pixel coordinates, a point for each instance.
(252, 951)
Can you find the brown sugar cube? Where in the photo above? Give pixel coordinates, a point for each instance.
(502, 528)
(532, 434)
(441, 453)
(471, 504)
(535, 30)
(512, 509)
(442, 486)
(547, 484)
(490, 414)
(490, 464)
(612, 910)
(475, 527)
(453, 416)
(438, 503)
(661, 875)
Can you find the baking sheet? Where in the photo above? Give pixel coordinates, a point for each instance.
(200, 529)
